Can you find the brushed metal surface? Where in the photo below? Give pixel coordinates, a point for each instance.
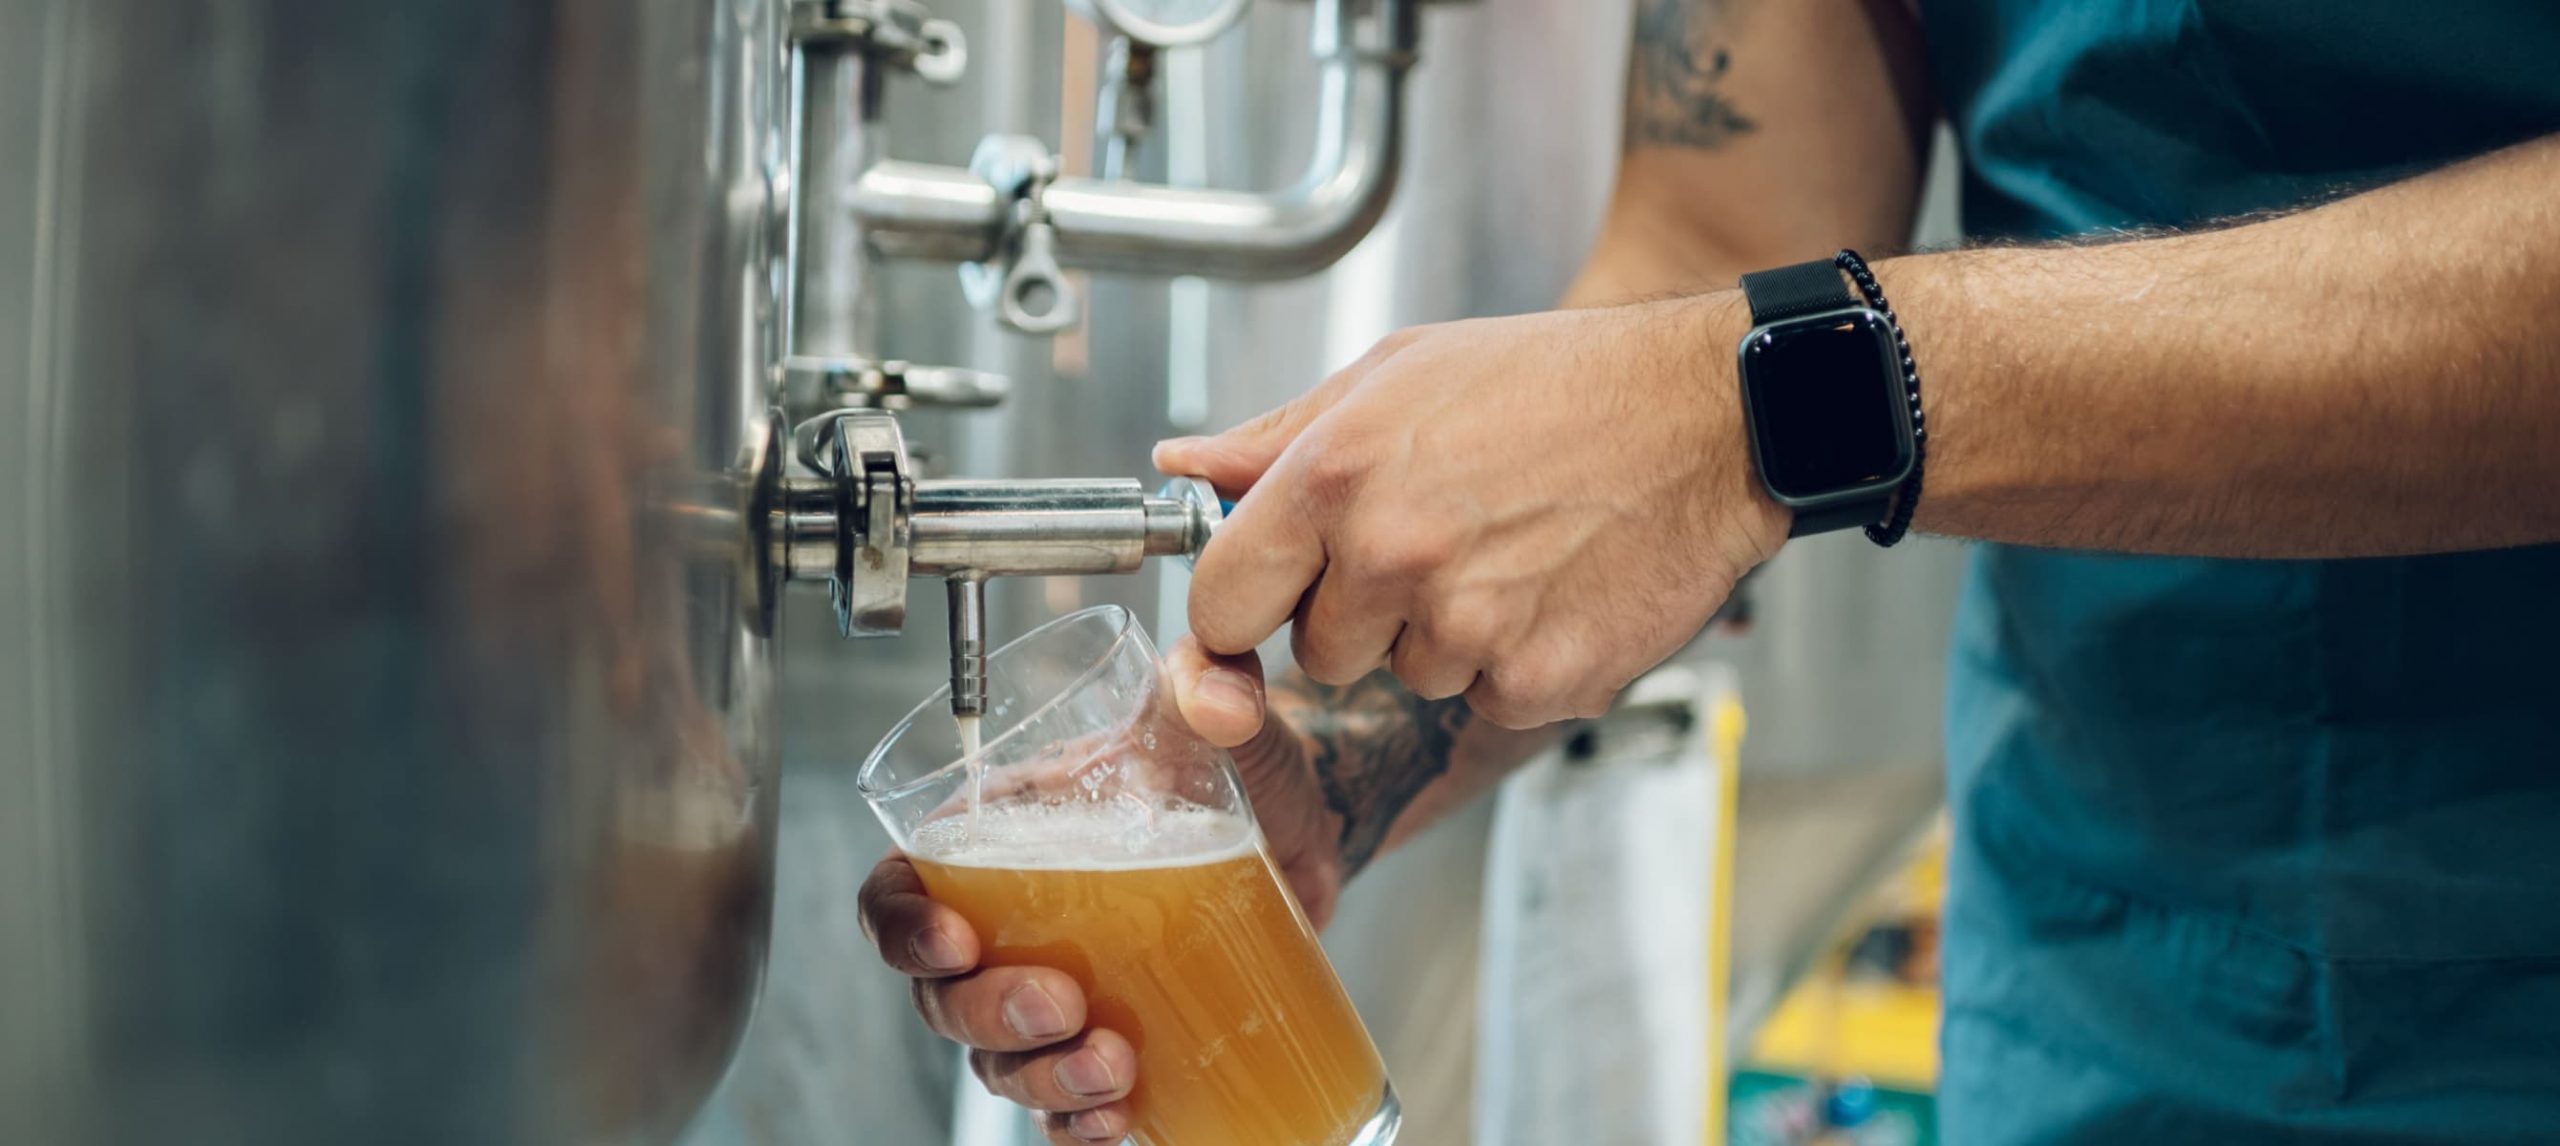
(376, 765)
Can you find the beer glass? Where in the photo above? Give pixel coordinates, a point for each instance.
(1092, 831)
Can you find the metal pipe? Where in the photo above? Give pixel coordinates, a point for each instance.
(1029, 528)
(1048, 528)
(922, 211)
(929, 211)
(1151, 229)
(837, 109)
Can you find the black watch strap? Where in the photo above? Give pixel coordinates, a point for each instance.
(1846, 515)
(1781, 293)
(1795, 291)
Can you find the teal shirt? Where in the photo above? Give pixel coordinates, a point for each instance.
(2247, 851)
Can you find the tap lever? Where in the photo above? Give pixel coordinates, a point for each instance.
(1182, 517)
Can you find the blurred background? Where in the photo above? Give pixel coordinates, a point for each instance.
(359, 756)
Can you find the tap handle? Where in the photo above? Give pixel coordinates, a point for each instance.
(1193, 514)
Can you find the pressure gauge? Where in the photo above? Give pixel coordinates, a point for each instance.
(1164, 23)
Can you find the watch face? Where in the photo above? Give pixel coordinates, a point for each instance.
(1827, 407)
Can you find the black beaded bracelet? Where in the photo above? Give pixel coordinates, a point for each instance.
(1907, 499)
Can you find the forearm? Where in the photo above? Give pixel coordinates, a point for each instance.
(1390, 763)
(2377, 376)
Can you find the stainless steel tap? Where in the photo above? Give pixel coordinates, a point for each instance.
(861, 521)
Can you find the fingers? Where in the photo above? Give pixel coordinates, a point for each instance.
(1012, 1018)
(1003, 1008)
(1220, 696)
(1347, 624)
(1454, 638)
(1429, 668)
(1270, 550)
(1087, 1071)
(1547, 682)
(1249, 579)
(1101, 1126)
(916, 935)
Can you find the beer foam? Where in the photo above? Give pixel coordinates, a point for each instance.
(1111, 836)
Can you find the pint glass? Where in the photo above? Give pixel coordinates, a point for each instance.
(1093, 832)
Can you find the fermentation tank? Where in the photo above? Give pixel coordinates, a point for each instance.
(386, 755)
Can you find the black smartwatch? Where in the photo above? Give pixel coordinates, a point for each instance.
(1823, 395)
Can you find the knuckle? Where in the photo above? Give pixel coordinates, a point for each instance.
(1492, 706)
(1318, 658)
(1430, 669)
(875, 889)
(1378, 352)
(1432, 680)
(1334, 471)
(1466, 630)
(1276, 418)
(950, 1009)
(1002, 1074)
(1216, 626)
(1519, 694)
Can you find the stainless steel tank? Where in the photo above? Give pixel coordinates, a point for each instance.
(384, 756)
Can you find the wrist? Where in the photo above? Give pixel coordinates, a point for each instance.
(1701, 332)
(1932, 301)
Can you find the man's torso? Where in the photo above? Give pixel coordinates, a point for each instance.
(2248, 850)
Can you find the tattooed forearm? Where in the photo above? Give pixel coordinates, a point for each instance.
(1675, 77)
(1375, 747)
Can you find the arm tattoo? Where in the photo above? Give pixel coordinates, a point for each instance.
(1375, 747)
(1674, 75)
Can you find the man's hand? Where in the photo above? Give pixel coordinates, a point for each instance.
(1530, 511)
(1025, 1026)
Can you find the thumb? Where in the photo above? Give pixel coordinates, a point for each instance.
(1220, 696)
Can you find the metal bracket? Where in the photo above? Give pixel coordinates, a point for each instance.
(865, 455)
(893, 31)
(815, 384)
(1023, 284)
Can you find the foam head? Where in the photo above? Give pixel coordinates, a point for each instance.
(1086, 836)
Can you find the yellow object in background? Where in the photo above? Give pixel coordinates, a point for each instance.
(1881, 1030)
(1880, 1023)
(1725, 729)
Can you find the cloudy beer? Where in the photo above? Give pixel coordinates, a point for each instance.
(1176, 923)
